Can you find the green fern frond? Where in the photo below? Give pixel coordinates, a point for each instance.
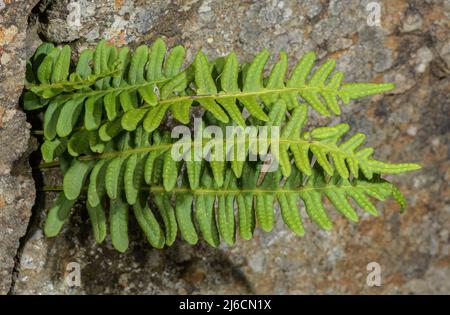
(322, 143)
(102, 120)
(106, 83)
(123, 86)
(228, 100)
(139, 164)
(293, 145)
(212, 209)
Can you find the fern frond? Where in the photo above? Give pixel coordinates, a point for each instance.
(228, 100)
(116, 82)
(58, 215)
(323, 144)
(101, 125)
(142, 163)
(294, 145)
(212, 209)
(51, 76)
(98, 221)
(123, 86)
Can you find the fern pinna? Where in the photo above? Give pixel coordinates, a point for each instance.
(101, 125)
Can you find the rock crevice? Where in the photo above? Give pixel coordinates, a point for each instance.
(17, 190)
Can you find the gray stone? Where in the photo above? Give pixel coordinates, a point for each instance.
(383, 60)
(412, 22)
(423, 58)
(17, 191)
(66, 21)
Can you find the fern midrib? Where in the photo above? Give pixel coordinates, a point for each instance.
(180, 99)
(177, 99)
(63, 84)
(227, 191)
(246, 141)
(110, 90)
(239, 94)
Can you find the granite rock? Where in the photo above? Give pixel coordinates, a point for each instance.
(17, 190)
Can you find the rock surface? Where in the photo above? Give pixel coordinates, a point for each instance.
(409, 47)
(17, 190)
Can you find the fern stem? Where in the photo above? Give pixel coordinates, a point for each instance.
(109, 90)
(180, 99)
(75, 84)
(48, 165)
(235, 94)
(224, 142)
(227, 191)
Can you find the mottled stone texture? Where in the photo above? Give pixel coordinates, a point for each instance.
(410, 48)
(17, 191)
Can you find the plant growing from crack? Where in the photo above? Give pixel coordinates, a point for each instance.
(102, 126)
